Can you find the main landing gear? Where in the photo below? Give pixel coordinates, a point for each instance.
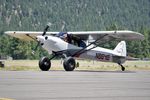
(69, 64)
(45, 64)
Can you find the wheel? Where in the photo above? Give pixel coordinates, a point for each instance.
(44, 64)
(122, 68)
(69, 64)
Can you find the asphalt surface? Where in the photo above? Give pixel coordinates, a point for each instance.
(77, 85)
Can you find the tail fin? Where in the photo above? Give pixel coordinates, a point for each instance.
(121, 48)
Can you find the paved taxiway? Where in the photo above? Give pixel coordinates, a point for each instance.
(77, 85)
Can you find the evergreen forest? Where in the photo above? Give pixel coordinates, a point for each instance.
(77, 15)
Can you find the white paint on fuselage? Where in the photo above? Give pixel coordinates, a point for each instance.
(53, 43)
(92, 54)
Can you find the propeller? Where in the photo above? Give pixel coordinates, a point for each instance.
(46, 29)
(39, 42)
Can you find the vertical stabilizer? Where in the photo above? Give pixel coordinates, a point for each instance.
(121, 48)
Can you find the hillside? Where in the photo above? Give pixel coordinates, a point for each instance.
(78, 15)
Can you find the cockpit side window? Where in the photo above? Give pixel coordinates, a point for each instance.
(62, 35)
(81, 43)
(69, 38)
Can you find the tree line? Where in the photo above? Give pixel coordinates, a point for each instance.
(77, 15)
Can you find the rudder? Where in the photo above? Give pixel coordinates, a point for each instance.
(121, 48)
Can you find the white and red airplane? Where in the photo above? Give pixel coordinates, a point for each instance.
(84, 44)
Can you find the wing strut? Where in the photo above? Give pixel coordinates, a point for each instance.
(83, 50)
(31, 37)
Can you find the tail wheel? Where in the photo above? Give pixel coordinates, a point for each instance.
(69, 64)
(122, 68)
(44, 64)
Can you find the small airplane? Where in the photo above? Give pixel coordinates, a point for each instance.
(83, 44)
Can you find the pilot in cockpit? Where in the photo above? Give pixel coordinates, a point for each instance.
(70, 38)
(64, 36)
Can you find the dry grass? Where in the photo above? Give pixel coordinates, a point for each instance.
(84, 65)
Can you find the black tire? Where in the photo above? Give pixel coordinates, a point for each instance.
(44, 64)
(122, 68)
(69, 64)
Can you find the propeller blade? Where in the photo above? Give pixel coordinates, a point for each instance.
(44, 33)
(46, 29)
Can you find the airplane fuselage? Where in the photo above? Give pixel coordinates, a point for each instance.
(56, 44)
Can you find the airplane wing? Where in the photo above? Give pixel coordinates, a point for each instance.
(84, 35)
(27, 35)
(120, 35)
